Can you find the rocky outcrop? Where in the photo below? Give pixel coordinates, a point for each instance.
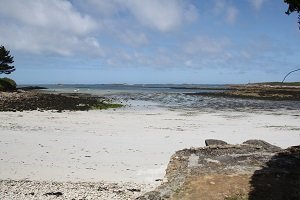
(263, 92)
(32, 100)
(252, 170)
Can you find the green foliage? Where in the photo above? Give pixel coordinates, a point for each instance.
(103, 105)
(5, 61)
(294, 6)
(7, 84)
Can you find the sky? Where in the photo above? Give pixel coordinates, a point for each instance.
(150, 41)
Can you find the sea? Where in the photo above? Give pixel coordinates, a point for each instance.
(173, 96)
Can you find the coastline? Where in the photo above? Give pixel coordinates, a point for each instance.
(131, 144)
(275, 92)
(40, 100)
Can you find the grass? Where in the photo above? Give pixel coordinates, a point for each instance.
(106, 104)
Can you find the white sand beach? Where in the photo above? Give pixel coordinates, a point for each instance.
(124, 145)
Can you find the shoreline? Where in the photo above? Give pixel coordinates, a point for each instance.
(42, 101)
(257, 91)
(130, 145)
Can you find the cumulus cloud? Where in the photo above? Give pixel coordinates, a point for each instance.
(68, 27)
(40, 26)
(161, 15)
(121, 33)
(31, 40)
(47, 14)
(103, 7)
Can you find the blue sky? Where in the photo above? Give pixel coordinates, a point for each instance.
(150, 41)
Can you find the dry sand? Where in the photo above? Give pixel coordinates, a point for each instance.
(124, 145)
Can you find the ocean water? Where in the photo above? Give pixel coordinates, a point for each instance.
(173, 96)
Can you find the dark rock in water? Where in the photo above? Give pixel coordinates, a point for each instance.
(253, 170)
(210, 142)
(262, 144)
(27, 88)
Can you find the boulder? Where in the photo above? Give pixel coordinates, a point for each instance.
(252, 170)
(210, 142)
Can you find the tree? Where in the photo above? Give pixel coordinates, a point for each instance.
(5, 61)
(294, 6)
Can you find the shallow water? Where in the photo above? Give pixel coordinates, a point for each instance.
(174, 96)
(204, 103)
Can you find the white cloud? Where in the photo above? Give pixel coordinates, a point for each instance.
(117, 32)
(161, 15)
(31, 40)
(102, 7)
(257, 4)
(68, 27)
(46, 26)
(50, 14)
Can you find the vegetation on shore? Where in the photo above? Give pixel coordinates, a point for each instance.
(41, 101)
(7, 84)
(105, 105)
(6, 60)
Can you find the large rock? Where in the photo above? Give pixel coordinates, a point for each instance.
(210, 142)
(253, 170)
(262, 144)
(33, 100)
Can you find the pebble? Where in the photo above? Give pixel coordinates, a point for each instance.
(25, 190)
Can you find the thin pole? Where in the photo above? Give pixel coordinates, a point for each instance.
(289, 74)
